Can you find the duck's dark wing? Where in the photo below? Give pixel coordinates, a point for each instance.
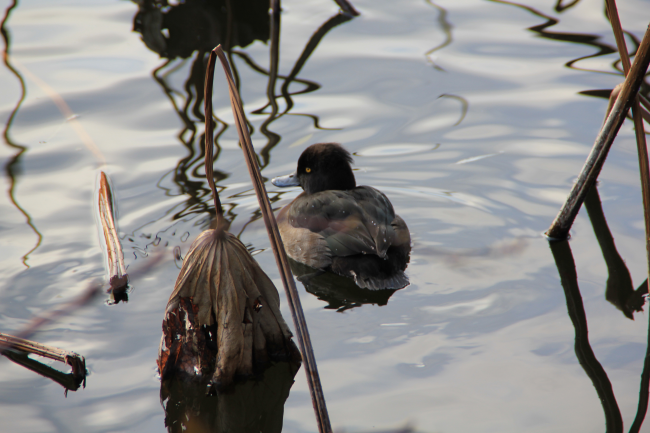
(302, 244)
(352, 222)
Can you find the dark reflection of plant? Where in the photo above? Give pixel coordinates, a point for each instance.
(188, 31)
(446, 29)
(579, 38)
(273, 75)
(569, 278)
(621, 293)
(644, 391)
(560, 7)
(252, 406)
(12, 167)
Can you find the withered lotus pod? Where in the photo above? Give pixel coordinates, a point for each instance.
(223, 318)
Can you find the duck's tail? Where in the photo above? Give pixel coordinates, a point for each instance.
(394, 282)
(373, 272)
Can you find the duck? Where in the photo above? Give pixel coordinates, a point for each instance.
(335, 225)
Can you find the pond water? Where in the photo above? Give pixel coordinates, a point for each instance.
(474, 117)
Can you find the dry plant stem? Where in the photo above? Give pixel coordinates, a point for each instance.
(642, 151)
(209, 140)
(116, 267)
(638, 123)
(612, 12)
(77, 362)
(560, 227)
(637, 112)
(313, 379)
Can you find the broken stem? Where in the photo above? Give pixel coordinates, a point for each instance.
(117, 276)
(560, 227)
(74, 360)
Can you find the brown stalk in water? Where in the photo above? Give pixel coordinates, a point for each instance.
(638, 123)
(560, 227)
(19, 342)
(74, 360)
(118, 278)
(311, 370)
(642, 150)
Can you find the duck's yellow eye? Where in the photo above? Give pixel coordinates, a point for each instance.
(308, 170)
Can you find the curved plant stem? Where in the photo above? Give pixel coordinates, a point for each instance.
(311, 370)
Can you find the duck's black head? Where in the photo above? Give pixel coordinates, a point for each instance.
(322, 167)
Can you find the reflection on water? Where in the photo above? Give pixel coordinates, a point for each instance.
(576, 38)
(567, 269)
(183, 28)
(446, 27)
(190, 30)
(339, 292)
(603, 48)
(252, 406)
(619, 289)
(620, 292)
(484, 325)
(12, 167)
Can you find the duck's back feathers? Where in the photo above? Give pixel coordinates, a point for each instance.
(364, 238)
(303, 245)
(352, 222)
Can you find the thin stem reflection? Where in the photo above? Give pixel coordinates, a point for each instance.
(187, 31)
(569, 278)
(12, 168)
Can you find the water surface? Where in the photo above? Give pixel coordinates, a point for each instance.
(474, 117)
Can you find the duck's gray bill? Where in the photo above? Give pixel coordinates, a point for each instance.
(288, 180)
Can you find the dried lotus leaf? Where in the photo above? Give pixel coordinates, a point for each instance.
(223, 317)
